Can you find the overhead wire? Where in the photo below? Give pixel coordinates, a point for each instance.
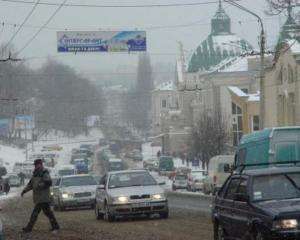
(41, 28)
(21, 25)
(190, 4)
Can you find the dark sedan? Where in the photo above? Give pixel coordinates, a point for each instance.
(259, 204)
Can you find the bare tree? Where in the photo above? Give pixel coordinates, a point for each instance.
(210, 136)
(138, 102)
(278, 6)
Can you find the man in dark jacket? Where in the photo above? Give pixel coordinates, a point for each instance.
(40, 183)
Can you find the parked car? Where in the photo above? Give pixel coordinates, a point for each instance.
(180, 181)
(151, 164)
(137, 156)
(129, 193)
(81, 166)
(75, 191)
(65, 170)
(14, 180)
(115, 164)
(195, 180)
(216, 174)
(259, 204)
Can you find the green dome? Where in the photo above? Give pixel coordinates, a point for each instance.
(219, 45)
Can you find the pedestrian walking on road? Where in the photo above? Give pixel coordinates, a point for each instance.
(22, 176)
(6, 186)
(40, 184)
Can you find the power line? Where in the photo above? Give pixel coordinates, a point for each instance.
(191, 4)
(42, 27)
(22, 24)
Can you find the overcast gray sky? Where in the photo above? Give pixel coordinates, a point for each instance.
(162, 42)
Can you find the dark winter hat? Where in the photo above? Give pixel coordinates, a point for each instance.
(38, 161)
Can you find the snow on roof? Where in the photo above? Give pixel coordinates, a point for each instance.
(166, 86)
(239, 65)
(229, 42)
(237, 91)
(253, 97)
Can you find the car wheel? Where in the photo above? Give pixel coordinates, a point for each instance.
(107, 215)
(98, 214)
(164, 215)
(219, 233)
(258, 236)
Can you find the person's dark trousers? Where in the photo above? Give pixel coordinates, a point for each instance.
(45, 207)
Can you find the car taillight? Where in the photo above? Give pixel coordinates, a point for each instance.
(215, 179)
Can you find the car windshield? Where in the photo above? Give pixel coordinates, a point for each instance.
(276, 187)
(66, 172)
(119, 180)
(198, 175)
(78, 181)
(180, 177)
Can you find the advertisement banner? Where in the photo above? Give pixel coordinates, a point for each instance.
(4, 127)
(23, 122)
(101, 41)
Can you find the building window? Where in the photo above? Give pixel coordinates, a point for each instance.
(255, 123)
(291, 109)
(290, 74)
(237, 124)
(245, 90)
(164, 103)
(280, 76)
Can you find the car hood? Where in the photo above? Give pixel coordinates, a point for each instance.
(278, 208)
(140, 190)
(79, 189)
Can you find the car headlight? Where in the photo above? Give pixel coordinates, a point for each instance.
(121, 200)
(66, 195)
(286, 224)
(51, 193)
(158, 196)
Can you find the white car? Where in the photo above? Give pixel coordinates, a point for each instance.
(127, 193)
(74, 191)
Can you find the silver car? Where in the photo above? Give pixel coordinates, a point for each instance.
(74, 191)
(128, 193)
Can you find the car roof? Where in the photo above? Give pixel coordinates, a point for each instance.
(270, 171)
(77, 175)
(128, 171)
(115, 160)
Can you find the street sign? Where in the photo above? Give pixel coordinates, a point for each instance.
(101, 41)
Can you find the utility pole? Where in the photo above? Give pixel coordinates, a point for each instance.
(262, 61)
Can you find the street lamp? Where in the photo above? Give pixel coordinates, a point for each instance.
(262, 59)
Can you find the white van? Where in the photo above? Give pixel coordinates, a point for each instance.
(216, 175)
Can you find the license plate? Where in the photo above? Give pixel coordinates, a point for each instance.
(82, 200)
(143, 204)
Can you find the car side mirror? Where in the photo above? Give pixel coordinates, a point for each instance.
(101, 187)
(241, 197)
(227, 168)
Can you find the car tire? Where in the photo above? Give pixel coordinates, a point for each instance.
(107, 215)
(258, 236)
(98, 214)
(219, 233)
(164, 215)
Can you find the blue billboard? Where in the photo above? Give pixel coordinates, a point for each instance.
(101, 41)
(4, 127)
